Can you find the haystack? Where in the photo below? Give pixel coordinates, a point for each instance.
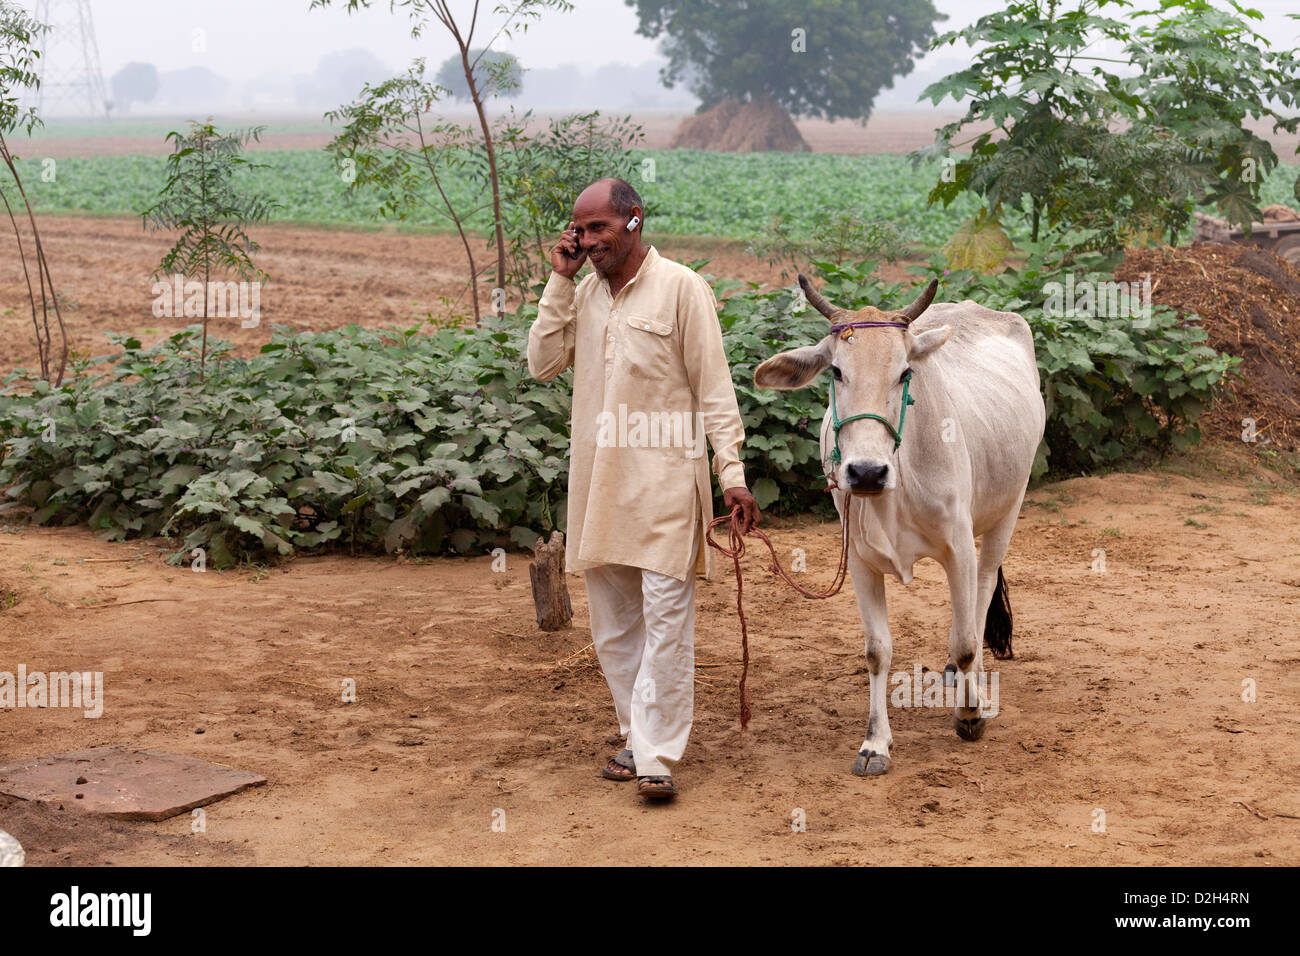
(759, 126)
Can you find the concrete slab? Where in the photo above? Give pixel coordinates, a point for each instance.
(124, 782)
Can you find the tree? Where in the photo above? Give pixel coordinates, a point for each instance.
(1204, 72)
(826, 59)
(18, 55)
(497, 73)
(1078, 149)
(203, 199)
(513, 17)
(397, 149)
(134, 83)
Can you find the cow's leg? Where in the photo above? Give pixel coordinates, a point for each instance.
(961, 566)
(873, 756)
(993, 550)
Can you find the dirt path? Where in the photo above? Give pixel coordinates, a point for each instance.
(1125, 695)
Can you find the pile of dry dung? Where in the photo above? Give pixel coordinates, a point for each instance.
(1249, 303)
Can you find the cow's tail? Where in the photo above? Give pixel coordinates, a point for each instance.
(997, 626)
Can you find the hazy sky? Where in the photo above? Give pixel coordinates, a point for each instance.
(248, 37)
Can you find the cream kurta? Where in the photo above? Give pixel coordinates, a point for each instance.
(649, 372)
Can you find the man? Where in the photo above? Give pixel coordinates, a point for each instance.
(650, 381)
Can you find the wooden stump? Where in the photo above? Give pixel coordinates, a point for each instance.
(550, 592)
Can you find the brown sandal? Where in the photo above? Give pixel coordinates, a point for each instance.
(656, 788)
(620, 767)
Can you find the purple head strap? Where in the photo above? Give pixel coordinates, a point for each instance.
(867, 325)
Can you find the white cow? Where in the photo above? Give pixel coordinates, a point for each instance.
(926, 480)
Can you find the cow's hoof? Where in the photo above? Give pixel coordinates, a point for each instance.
(970, 728)
(950, 676)
(871, 764)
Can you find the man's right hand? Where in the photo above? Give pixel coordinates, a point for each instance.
(561, 263)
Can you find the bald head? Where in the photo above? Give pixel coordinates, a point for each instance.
(611, 195)
(601, 216)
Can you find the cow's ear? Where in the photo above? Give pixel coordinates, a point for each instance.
(796, 368)
(926, 342)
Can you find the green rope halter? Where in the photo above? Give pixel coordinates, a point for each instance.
(837, 423)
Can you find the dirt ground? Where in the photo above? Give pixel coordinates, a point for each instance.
(1125, 695)
(323, 279)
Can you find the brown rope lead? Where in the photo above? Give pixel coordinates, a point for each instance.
(737, 550)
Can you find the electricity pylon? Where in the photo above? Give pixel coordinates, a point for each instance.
(71, 80)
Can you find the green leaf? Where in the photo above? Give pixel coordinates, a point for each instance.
(980, 243)
(333, 484)
(482, 510)
(432, 500)
(765, 492)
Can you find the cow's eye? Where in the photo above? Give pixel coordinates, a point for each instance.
(907, 373)
(835, 370)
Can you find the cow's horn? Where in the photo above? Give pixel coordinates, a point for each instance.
(816, 299)
(922, 302)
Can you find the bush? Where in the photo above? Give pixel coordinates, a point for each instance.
(440, 443)
(370, 439)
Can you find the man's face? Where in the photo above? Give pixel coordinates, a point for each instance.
(602, 232)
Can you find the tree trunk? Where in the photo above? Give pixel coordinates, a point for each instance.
(486, 127)
(550, 592)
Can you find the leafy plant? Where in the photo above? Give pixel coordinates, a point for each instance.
(1112, 385)
(372, 440)
(1202, 73)
(837, 236)
(440, 443)
(695, 193)
(1077, 148)
(495, 73)
(202, 197)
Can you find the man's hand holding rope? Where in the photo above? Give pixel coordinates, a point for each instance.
(739, 497)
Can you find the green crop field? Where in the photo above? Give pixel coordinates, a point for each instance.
(728, 195)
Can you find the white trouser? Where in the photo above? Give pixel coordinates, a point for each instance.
(643, 630)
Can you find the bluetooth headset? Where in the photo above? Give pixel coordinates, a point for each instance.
(631, 225)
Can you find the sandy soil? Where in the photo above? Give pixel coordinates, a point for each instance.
(323, 279)
(1125, 695)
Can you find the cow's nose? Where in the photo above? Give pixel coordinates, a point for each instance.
(867, 477)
